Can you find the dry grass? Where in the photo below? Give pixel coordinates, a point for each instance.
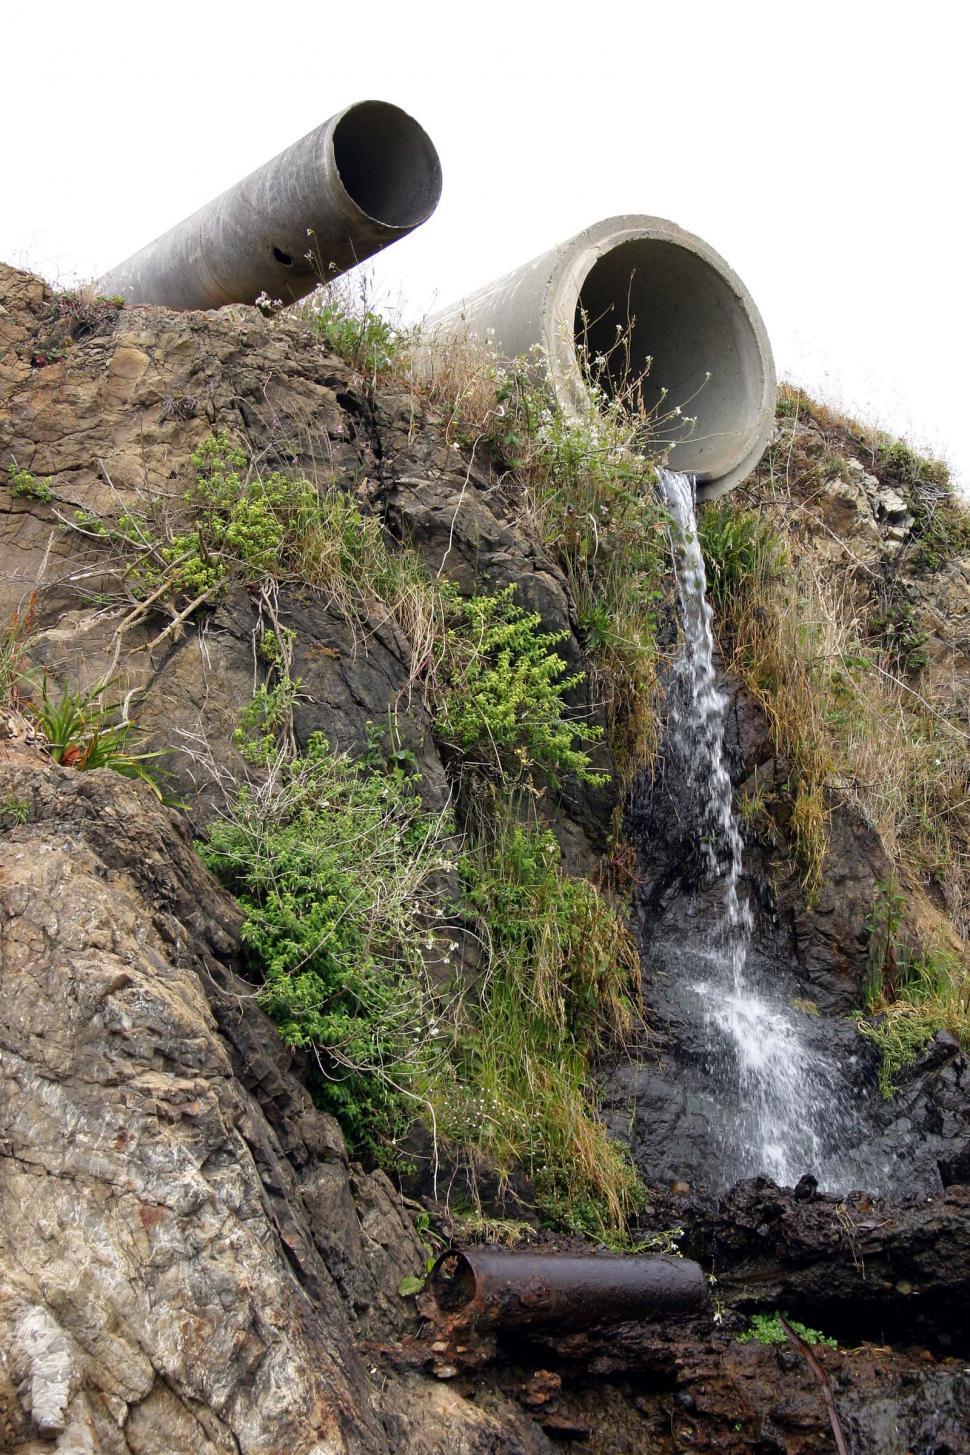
(847, 723)
(839, 710)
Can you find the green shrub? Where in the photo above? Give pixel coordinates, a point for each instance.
(906, 464)
(589, 487)
(250, 528)
(364, 339)
(504, 701)
(232, 526)
(941, 531)
(586, 487)
(334, 865)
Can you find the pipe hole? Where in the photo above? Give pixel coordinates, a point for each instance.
(282, 257)
(453, 1282)
(650, 307)
(387, 163)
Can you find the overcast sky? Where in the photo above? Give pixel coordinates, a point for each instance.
(821, 148)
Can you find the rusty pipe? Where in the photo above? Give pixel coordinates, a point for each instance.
(495, 1287)
(363, 179)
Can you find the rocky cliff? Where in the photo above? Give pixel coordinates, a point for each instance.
(189, 1259)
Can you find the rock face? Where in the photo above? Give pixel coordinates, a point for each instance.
(111, 418)
(187, 1262)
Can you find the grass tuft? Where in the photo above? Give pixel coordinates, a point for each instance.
(559, 982)
(928, 991)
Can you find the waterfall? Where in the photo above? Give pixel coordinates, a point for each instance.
(780, 1105)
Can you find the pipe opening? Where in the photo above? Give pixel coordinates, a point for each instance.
(387, 164)
(651, 304)
(453, 1282)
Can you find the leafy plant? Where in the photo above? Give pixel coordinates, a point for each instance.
(80, 734)
(15, 808)
(505, 694)
(586, 486)
(342, 313)
(232, 525)
(906, 464)
(244, 527)
(27, 486)
(335, 867)
(883, 922)
(410, 1285)
(366, 340)
(741, 552)
(589, 487)
(941, 531)
(767, 1329)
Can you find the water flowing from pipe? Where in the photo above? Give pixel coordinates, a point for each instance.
(783, 1108)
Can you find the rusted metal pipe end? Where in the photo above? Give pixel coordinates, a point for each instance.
(363, 179)
(496, 1287)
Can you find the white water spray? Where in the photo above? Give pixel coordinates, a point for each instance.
(793, 1114)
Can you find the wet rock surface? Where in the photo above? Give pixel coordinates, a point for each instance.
(659, 1098)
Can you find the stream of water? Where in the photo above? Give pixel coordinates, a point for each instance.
(782, 1107)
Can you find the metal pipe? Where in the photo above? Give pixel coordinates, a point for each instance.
(363, 179)
(493, 1286)
(685, 321)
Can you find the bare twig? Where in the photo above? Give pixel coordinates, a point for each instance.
(177, 621)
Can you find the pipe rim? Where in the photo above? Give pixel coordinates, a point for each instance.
(576, 263)
(415, 171)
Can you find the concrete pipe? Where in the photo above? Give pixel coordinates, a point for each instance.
(686, 316)
(363, 179)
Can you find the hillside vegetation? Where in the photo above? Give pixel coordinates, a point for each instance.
(429, 949)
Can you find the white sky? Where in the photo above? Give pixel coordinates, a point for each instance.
(821, 148)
